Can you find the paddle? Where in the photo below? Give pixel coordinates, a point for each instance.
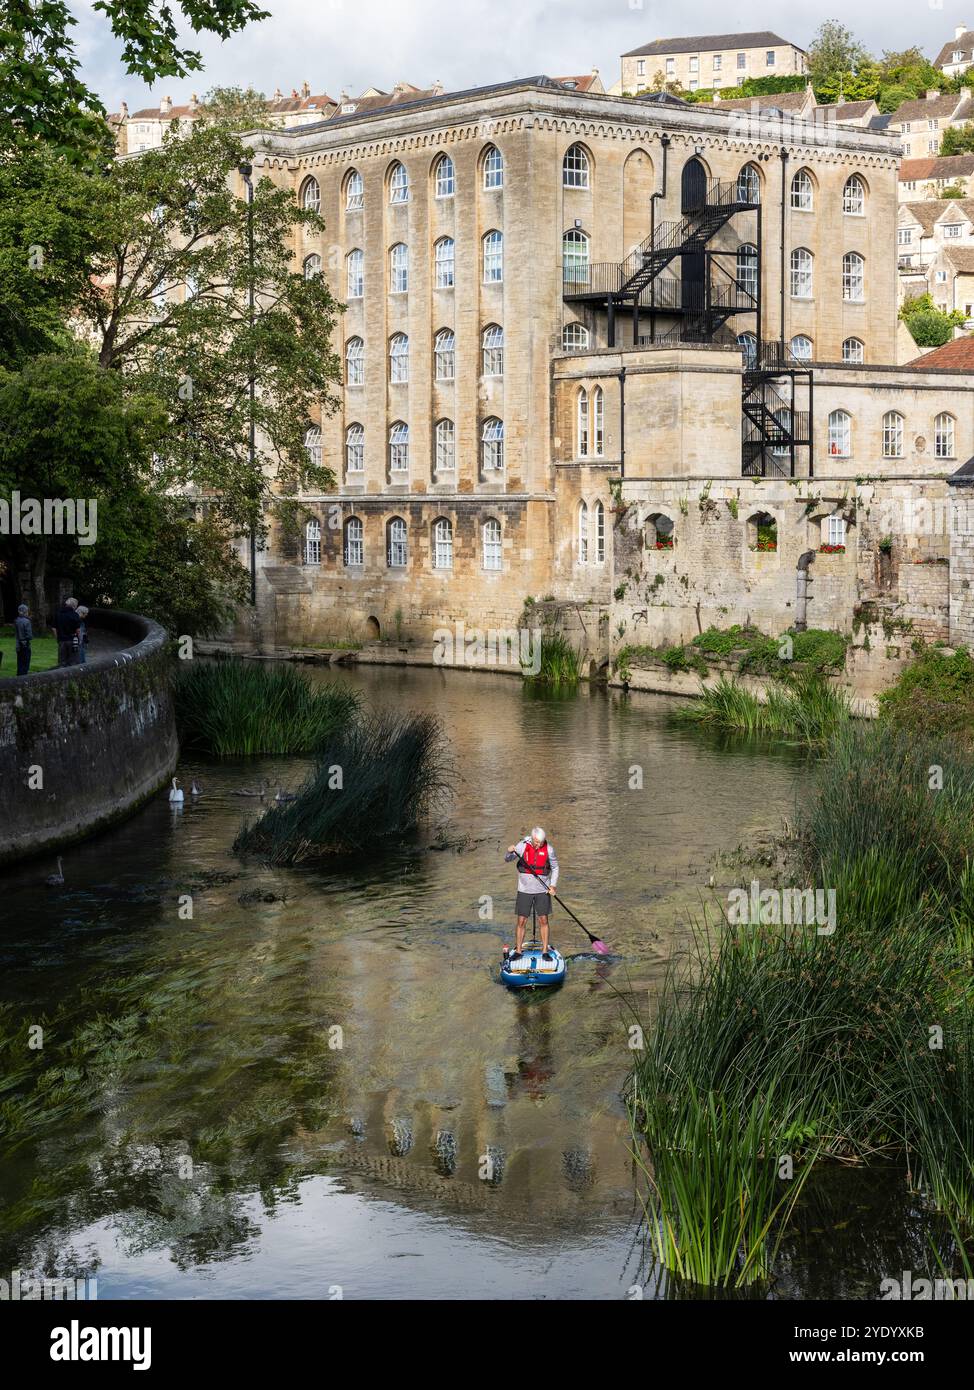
(598, 946)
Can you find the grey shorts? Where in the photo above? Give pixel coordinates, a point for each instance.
(541, 901)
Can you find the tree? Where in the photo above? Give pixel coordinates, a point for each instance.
(929, 326)
(834, 58)
(44, 97)
(958, 139)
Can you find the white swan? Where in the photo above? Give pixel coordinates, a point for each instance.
(55, 880)
(195, 788)
(282, 795)
(176, 795)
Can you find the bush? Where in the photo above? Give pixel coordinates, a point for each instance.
(935, 694)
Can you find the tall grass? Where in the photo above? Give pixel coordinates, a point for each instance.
(373, 781)
(239, 708)
(807, 707)
(560, 665)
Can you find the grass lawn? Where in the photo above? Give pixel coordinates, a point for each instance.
(43, 653)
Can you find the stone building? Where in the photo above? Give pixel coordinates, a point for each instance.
(957, 54)
(705, 61)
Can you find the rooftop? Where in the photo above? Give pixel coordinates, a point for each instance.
(943, 166)
(957, 356)
(707, 43)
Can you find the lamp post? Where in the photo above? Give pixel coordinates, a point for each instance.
(246, 170)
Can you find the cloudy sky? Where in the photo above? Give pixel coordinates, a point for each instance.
(353, 44)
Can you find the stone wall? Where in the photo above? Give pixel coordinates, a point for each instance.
(83, 746)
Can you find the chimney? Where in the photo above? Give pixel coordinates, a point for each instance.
(165, 106)
(437, 88)
(932, 94)
(278, 94)
(123, 110)
(305, 89)
(595, 72)
(960, 31)
(193, 101)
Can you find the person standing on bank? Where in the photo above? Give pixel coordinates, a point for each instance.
(83, 635)
(23, 636)
(537, 873)
(67, 624)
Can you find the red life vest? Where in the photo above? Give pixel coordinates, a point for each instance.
(534, 860)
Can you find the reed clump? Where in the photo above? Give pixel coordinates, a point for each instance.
(239, 708)
(807, 707)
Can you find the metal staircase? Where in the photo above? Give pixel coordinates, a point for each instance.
(777, 413)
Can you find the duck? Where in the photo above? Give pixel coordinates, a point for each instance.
(176, 794)
(56, 880)
(259, 791)
(282, 795)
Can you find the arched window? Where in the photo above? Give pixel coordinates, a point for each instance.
(355, 274)
(444, 258)
(398, 359)
(312, 266)
(748, 344)
(583, 533)
(749, 185)
(355, 362)
(493, 244)
(854, 196)
(355, 449)
(801, 273)
(312, 445)
(396, 547)
(853, 277)
(492, 347)
(311, 195)
(581, 429)
(747, 269)
(761, 529)
(312, 542)
(658, 531)
(574, 257)
(492, 445)
(445, 457)
(801, 348)
(598, 424)
(574, 336)
(892, 435)
(493, 167)
(399, 448)
(802, 194)
(442, 544)
(575, 167)
(445, 355)
(399, 269)
(398, 184)
(444, 178)
(840, 434)
(853, 350)
(354, 548)
(600, 533)
(354, 192)
(943, 436)
(492, 545)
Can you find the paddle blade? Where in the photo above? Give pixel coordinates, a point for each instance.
(600, 947)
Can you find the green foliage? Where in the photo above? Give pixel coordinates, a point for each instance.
(935, 694)
(816, 648)
(958, 139)
(807, 708)
(43, 650)
(560, 665)
(930, 326)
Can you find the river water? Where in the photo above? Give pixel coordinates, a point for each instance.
(329, 1093)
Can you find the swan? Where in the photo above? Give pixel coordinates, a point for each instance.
(176, 795)
(195, 788)
(55, 880)
(282, 795)
(260, 791)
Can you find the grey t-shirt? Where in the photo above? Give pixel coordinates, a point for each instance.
(530, 883)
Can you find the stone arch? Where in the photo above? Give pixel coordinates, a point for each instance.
(658, 531)
(372, 630)
(761, 530)
(638, 186)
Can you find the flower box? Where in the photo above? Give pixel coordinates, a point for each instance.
(831, 550)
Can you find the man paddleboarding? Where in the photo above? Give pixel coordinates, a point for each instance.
(537, 872)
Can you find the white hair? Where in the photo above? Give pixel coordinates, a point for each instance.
(537, 831)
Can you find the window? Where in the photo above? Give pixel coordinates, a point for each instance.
(355, 362)
(399, 448)
(581, 433)
(694, 84)
(396, 551)
(399, 184)
(493, 554)
(600, 533)
(444, 256)
(598, 422)
(748, 344)
(694, 64)
(445, 178)
(355, 274)
(801, 273)
(355, 449)
(493, 258)
(801, 348)
(312, 543)
(802, 197)
(952, 230)
(943, 436)
(742, 60)
(442, 544)
(574, 257)
(749, 185)
(853, 351)
(835, 530)
(445, 456)
(311, 196)
(492, 445)
(312, 445)
(575, 168)
(747, 270)
(492, 345)
(444, 355)
(892, 435)
(354, 549)
(574, 336)
(399, 269)
(354, 192)
(493, 167)
(904, 236)
(769, 58)
(840, 434)
(853, 277)
(398, 359)
(854, 197)
(312, 266)
(940, 276)
(583, 533)
(640, 67)
(717, 58)
(670, 66)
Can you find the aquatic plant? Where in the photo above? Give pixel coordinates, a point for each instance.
(241, 708)
(560, 664)
(806, 707)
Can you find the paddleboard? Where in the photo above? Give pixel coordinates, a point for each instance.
(530, 971)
